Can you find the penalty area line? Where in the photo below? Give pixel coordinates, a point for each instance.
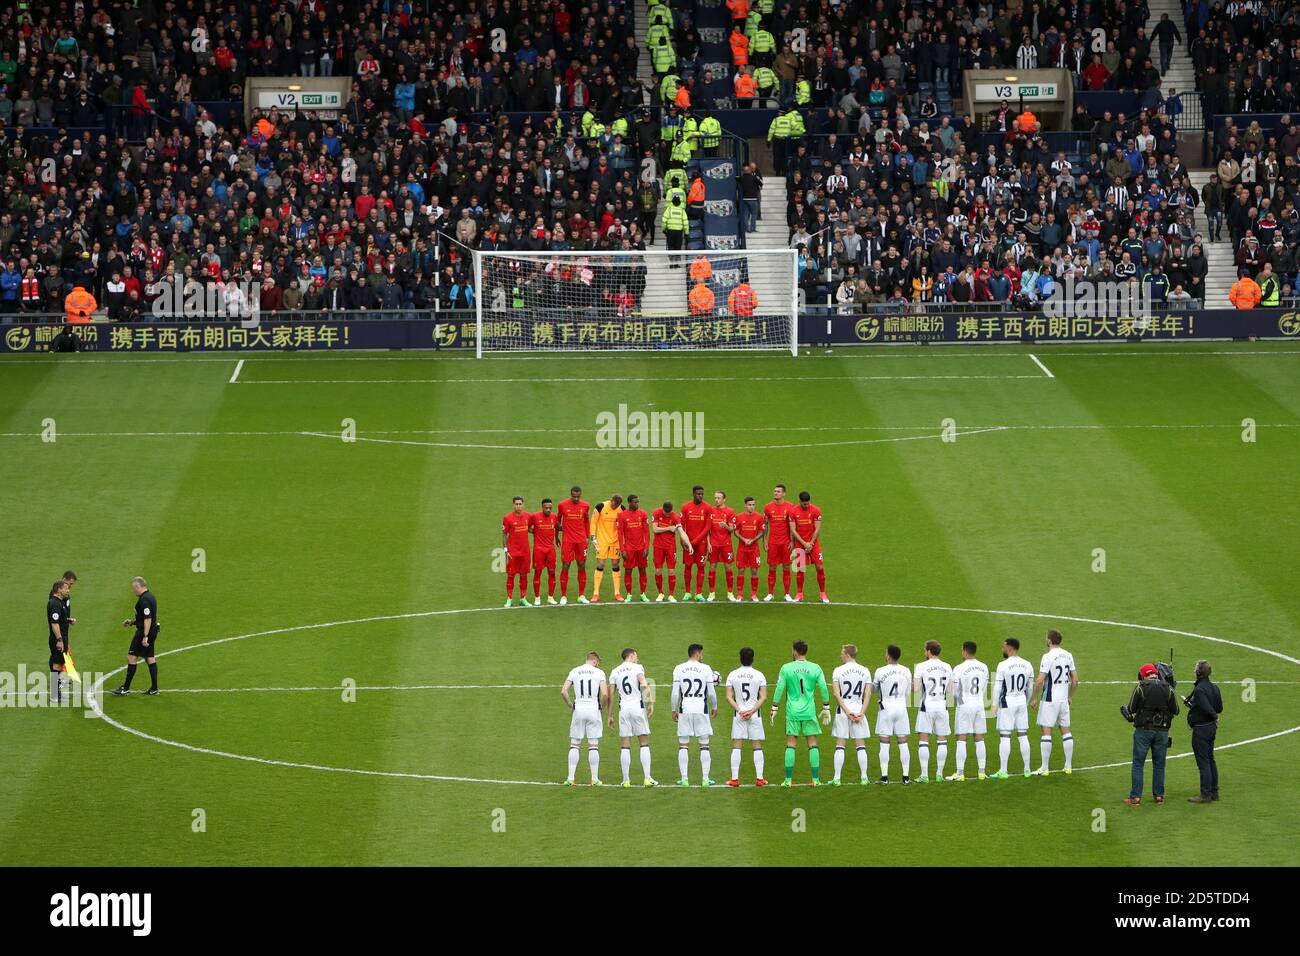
(239, 367)
(1046, 371)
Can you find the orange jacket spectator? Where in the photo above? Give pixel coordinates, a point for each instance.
(1245, 293)
(701, 299)
(701, 269)
(743, 300)
(746, 86)
(79, 305)
(695, 194)
(739, 9)
(683, 97)
(739, 47)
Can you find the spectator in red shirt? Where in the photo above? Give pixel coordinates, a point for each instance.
(1095, 74)
(364, 203)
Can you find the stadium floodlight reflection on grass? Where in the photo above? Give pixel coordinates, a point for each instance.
(632, 300)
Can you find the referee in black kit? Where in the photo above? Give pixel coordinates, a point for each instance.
(145, 642)
(57, 619)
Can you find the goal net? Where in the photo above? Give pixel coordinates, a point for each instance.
(599, 300)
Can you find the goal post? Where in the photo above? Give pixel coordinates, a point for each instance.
(630, 300)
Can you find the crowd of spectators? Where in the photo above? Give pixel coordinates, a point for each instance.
(126, 164)
(925, 214)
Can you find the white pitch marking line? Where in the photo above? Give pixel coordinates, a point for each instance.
(92, 692)
(624, 379)
(594, 448)
(1046, 371)
(712, 428)
(335, 688)
(871, 353)
(239, 367)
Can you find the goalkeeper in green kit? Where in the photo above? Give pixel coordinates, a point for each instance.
(799, 681)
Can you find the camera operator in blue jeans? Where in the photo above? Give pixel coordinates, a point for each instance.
(1151, 710)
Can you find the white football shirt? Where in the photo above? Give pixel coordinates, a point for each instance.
(1057, 666)
(1014, 679)
(972, 679)
(934, 677)
(587, 679)
(692, 687)
(893, 684)
(852, 679)
(627, 678)
(745, 684)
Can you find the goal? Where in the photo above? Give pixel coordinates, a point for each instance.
(631, 300)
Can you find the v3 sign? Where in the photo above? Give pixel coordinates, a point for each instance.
(988, 92)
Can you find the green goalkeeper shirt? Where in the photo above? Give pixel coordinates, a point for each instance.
(799, 681)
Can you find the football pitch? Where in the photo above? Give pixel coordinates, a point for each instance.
(341, 685)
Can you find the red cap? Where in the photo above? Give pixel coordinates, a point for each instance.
(1147, 670)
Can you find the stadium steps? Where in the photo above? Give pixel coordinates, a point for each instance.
(1181, 77)
(641, 18)
(772, 232)
(1222, 267)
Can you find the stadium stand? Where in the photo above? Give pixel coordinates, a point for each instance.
(506, 124)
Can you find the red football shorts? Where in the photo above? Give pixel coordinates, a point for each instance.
(720, 554)
(573, 551)
(778, 552)
(747, 556)
(635, 559)
(544, 559)
(517, 564)
(695, 558)
(666, 557)
(811, 555)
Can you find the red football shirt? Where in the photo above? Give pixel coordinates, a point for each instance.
(778, 527)
(516, 529)
(695, 519)
(633, 530)
(750, 525)
(574, 520)
(543, 526)
(667, 540)
(805, 520)
(719, 518)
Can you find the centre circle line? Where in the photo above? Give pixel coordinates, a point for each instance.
(93, 695)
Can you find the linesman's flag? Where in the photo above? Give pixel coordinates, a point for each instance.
(69, 668)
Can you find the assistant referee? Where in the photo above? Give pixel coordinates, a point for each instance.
(145, 642)
(56, 619)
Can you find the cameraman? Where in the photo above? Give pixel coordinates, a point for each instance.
(1151, 710)
(1204, 705)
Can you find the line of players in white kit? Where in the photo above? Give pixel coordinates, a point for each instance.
(1015, 690)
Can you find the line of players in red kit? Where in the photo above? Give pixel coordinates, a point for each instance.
(626, 538)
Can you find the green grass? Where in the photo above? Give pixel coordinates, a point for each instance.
(1199, 530)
